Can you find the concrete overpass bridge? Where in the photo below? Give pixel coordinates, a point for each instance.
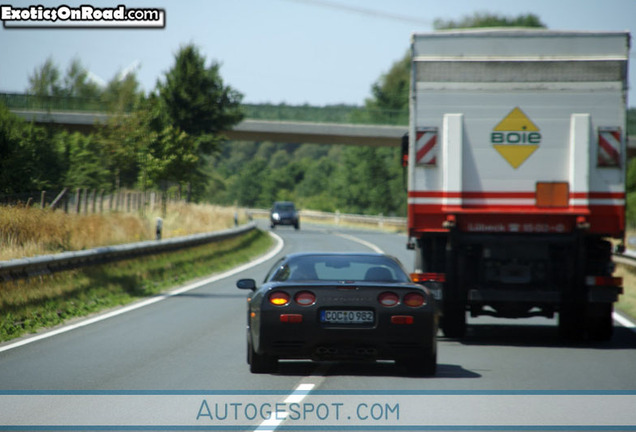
(277, 123)
(276, 126)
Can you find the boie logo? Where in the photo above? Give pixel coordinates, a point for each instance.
(515, 138)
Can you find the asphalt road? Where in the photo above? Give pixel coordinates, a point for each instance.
(195, 340)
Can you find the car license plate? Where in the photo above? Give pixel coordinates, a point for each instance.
(346, 317)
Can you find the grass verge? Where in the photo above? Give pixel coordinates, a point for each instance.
(627, 301)
(29, 305)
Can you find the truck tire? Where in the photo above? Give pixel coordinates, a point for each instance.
(571, 323)
(599, 322)
(453, 321)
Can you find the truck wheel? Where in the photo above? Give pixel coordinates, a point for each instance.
(453, 321)
(571, 325)
(599, 322)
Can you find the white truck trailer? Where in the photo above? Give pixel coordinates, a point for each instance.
(516, 167)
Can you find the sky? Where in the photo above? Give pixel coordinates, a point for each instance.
(316, 52)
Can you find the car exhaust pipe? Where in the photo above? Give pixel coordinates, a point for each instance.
(367, 352)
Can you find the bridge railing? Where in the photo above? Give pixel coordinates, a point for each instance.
(328, 114)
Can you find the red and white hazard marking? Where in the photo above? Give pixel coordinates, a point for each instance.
(426, 146)
(609, 148)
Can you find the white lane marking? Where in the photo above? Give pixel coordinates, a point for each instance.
(362, 242)
(624, 321)
(299, 393)
(160, 297)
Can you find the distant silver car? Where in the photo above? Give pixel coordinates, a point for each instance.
(284, 213)
(340, 306)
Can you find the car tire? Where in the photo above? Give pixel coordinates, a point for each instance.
(297, 226)
(260, 363)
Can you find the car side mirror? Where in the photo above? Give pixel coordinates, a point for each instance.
(249, 284)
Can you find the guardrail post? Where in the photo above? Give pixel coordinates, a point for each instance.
(159, 228)
(78, 196)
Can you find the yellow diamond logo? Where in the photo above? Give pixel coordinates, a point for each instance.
(516, 154)
(516, 137)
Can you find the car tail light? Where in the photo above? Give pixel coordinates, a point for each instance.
(388, 299)
(402, 319)
(305, 298)
(279, 298)
(414, 299)
(291, 318)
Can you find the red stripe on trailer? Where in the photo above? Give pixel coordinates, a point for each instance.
(606, 220)
(510, 195)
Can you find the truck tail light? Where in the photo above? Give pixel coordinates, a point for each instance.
(305, 298)
(388, 299)
(414, 299)
(603, 281)
(428, 277)
(279, 298)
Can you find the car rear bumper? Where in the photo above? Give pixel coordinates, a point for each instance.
(284, 221)
(383, 341)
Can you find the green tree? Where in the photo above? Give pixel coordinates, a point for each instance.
(86, 162)
(361, 185)
(27, 160)
(249, 184)
(45, 80)
(77, 83)
(122, 93)
(391, 92)
(197, 101)
(196, 107)
(486, 19)
(48, 81)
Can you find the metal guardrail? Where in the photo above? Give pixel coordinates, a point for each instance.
(628, 257)
(47, 264)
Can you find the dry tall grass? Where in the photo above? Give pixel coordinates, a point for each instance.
(26, 232)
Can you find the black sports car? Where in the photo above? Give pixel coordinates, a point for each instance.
(340, 306)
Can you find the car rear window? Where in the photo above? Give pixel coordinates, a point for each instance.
(340, 268)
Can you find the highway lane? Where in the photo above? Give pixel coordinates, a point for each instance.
(196, 341)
